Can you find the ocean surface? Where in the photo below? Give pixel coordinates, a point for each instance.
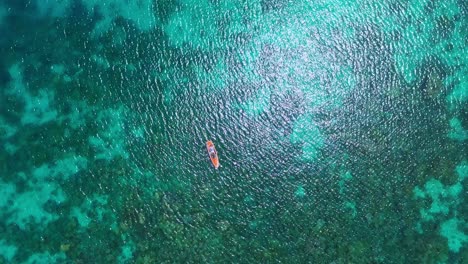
(341, 128)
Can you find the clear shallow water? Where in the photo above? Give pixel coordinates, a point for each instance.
(341, 130)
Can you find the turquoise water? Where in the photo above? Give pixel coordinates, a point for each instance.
(341, 128)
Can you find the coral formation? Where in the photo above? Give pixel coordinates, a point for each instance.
(341, 128)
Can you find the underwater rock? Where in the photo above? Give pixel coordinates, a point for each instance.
(141, 218)
(223, 225)
(64, 247)
(4, 75)
(7, 251)
(307, 132)
(457, 131)
(258, 103)
(46, 257)
(27, 209)
(300, 192)
(452, 229)
(444, 202)
(443, 198)
(434, 84)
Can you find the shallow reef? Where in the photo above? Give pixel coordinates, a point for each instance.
(341, 129)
